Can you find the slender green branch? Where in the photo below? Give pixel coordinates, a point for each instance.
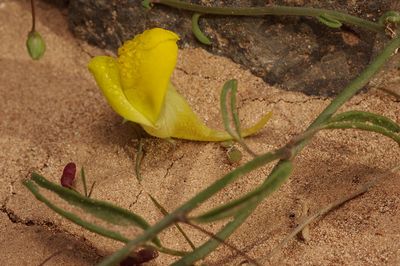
(165, 212)
(257, 162)
(232, 207)
(221, 241)
(345, 95)
(83, 177)
(275, 180)
(276, 11)
(202, 196)
(357, 84)
(138, 160)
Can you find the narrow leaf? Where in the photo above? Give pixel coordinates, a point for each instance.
(365, 117)
(83, 177)
(228, 86)
(273, 182)
(201, 37)
(73, 217)
(100, 209)
(365, 121)
(165, 213)
(329, 21)
(232, 208)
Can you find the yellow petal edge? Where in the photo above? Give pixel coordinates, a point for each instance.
(177, 120)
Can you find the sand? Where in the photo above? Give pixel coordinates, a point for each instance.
(53, 113)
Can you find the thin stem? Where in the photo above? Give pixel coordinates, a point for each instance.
(33, 15)
(202, 196)
(138, 160)
(354, 86)
(257, 162)
(83, 177)
(345, 95)
(276, 11)
(210, 234)
(165, 212)
(91, 189)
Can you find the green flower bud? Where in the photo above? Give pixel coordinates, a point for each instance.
(234, 155)
(35, 45)
(227, 144)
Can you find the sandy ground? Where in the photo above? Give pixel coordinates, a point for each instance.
(52, 113)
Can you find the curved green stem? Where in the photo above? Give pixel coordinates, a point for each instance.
(228, 229)
(197, 31)
(276, 11)
(241, 216)
(344, 96)
(201, 197)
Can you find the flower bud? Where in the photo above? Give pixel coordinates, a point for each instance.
(35, 45)
(68, 175)
(234, 155)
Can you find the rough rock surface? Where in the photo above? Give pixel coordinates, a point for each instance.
(296, 53)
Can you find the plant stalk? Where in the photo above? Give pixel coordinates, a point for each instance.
(209, 246)
(276, 11)
(33, 16)
(356, 85)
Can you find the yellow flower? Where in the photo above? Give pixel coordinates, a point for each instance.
(137, 86)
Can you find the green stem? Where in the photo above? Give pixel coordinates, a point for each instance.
(257, 162)
(33, 16)
(275, 180)
(357, 84)
(344, 96)
(276, 11)
(204, 195)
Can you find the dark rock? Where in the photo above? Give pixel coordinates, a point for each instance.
(296, 53)
(58, 3)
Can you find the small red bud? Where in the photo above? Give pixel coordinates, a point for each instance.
(68, 175)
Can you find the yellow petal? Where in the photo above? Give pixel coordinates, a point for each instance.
(146, 64)
(177, 120)
(105, 71)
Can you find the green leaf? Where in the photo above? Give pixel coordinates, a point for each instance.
(329, 21)
(230, 85)
(100, 209)
(390, 17)
(365, 121)
(201, 37)
(165, 213)
(73, 217)
(83, 177)
(231, 208)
